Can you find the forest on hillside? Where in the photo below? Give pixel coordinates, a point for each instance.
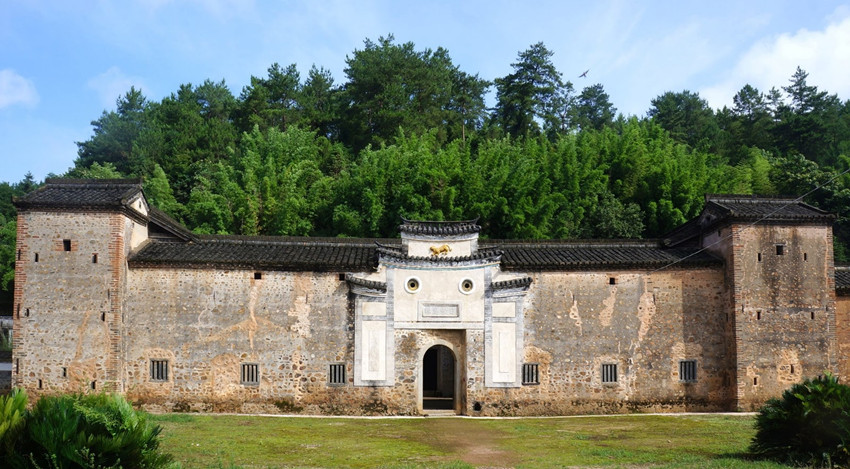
(409, 134)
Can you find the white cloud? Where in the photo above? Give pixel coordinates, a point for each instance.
(771, 62)
(112, 84)
(15, 89)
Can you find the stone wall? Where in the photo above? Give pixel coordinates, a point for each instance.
(67, 330)
(782, 307)
(645, 323)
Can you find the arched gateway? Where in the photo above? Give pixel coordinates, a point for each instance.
(439, 368)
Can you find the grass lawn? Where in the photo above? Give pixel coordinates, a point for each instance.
(227, 441)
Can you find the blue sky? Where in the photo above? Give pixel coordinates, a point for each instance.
(62, 63)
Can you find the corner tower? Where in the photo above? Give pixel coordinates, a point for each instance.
(781, 278)
(72, 244)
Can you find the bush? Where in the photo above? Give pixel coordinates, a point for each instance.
(810, 425)
(82, 431)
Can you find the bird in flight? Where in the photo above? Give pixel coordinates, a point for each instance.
(584, 75)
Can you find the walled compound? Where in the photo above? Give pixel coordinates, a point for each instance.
(723, 313)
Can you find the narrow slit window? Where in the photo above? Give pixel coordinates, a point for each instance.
(66, 245)
(805, 256)
(530, 373)
(64, 372)
(688, 371)
(792, 369)
(35, 258)
(758, 315)
(27, 313)
(336, 374)
(39, 384)
(94, 258)
(755, 381)
(103, 316)
(159, 370)
(94, 384)
(250, 374)
(19, 254)
(759, 257)
(813, 314)
(609, 372)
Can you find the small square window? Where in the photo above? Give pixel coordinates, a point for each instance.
(609, 372)
(780, 249)
(336, 374)
(612, 281)
(159, 370)
(250, 374)
(530, 373)
(66, 244)
(258, 275)
(688, 371)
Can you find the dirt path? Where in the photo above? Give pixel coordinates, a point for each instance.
(472, 444)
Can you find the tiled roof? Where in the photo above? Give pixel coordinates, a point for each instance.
(755, 208)
(159, 219)
(81, 193)
(513, 283)
(360, 255)
(395, 253)
(440, 228)
(584, 255)
(370, 284)
(295, 254)
(842, 280)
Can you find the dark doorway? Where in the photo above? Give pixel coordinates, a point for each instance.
(438, 378)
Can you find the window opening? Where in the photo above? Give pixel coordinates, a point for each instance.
(159, 370)
(103, 316)
(341, 277)
(755, 381)
(813, 314)
(530, 373)
(27, 312)
(66, 245)
(411, 285)
(609, 372)
(780, 249)
(758, 315)
(688, 371)
(466, 285)
(94, 384)
(805, 256)
(36, 257)
(94, 258)
(759, 257)
(792, 369)
(39, 384)
(336, 374)
(612, 281)
(64, 372)
(19, 254)
(258, 275)
(250, 373)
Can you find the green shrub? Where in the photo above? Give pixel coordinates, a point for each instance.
(78, 431)
(810, 425)
(13, 414)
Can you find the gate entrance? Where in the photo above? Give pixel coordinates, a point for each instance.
(438, 378)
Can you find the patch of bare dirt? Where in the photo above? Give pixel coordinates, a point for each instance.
(471, 444)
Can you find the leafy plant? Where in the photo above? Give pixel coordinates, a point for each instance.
(810, 424)
(13, 413)
(97, 430)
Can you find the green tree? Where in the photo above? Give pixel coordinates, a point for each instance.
(687, 118)
(115, 133)
(594, 109)
(533, 96)
(393, 86)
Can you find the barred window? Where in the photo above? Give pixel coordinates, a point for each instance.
(159, 370)
(250, 374)
(336, 374)
(688, 371)
(609, 373)
(530, 373)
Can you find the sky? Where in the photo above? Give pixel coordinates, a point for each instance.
(64, 62)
